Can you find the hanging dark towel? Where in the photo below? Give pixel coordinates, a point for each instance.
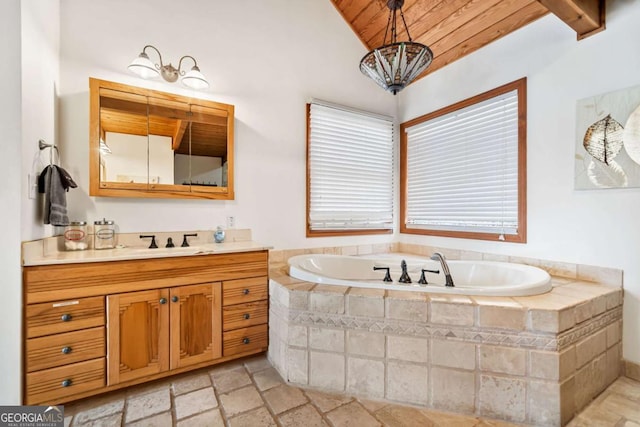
(55, 199)
(65, 178)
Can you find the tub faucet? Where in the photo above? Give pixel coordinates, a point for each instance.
(437, 256)
(387, 276)
(404, 277)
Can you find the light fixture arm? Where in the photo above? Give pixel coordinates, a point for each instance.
(159, 67)
(195, 64)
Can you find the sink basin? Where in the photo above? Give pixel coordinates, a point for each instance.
(190, 250)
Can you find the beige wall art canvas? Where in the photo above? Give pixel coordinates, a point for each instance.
(608, 140)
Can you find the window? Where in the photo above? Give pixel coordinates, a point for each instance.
(463, 168)
(349, 171)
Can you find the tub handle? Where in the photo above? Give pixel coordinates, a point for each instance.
(423, 280)
(387, 276)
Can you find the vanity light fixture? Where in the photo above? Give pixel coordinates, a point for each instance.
(393, 66)
(143, 67)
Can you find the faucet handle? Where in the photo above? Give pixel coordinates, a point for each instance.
(387, 276)
(184, 239)
(153, 240)
(423, 280)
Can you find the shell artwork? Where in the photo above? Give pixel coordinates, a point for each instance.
(603, 139)
(631, 135)
(607, 176)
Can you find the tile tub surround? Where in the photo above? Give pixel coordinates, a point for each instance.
(536, 360)
(206, 398)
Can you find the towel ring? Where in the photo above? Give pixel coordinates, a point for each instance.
(42, 145)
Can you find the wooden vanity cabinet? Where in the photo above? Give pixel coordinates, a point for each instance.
(245, 315)
(96, 327)
(154, 331)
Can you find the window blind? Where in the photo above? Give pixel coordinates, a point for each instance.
(350, 161)
(462, 169)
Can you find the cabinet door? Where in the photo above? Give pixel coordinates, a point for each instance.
(138, 343)
(196, 324)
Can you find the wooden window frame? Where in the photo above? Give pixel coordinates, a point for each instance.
(521, 237)
(329, 233)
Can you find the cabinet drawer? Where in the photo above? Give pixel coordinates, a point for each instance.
(52, 384)
(244, 290)
(244, 315)
(64, 316)
(246, 339)
(62, 349)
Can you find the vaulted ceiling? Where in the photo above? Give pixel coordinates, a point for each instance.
(455, 28)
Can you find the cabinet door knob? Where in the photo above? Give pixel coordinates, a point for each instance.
(66, 350)
(246, 316)
(174, 298)
(66, 383)
(246, 341)
(163, 300)
(245, 291)
(66, 317)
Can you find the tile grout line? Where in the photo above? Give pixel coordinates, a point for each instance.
(260, 393)
(217, 397)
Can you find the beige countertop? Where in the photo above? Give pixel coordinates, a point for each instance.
(49, 251)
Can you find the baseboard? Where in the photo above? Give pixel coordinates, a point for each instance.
(632, 370)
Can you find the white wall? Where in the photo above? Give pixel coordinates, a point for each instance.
(29, 47)
(10, 170)
(133, 155)
(587, 227)
(40, 77)
(268, 58)
(200, 168)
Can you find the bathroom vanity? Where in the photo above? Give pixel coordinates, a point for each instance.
(92, 326)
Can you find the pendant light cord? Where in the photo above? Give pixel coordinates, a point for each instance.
(405, 25)
(394, 30)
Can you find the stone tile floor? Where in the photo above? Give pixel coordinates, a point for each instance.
(251, 393)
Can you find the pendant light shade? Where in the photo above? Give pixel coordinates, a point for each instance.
(393, 66)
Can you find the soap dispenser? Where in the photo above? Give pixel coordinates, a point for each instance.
(218, 235)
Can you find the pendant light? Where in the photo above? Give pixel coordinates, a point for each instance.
(393, 66)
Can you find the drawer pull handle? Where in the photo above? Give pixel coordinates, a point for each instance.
(66, 350)
(246, 316)
(66, 383)
(66, 317)
(245, 291)
(246, 341)
(163, 300)
(174, 298)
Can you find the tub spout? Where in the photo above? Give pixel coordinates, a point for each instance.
(437, 256)
(404, 277)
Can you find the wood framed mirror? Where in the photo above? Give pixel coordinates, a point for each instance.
(152, 144)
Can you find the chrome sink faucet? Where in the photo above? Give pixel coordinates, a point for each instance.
(437, 256)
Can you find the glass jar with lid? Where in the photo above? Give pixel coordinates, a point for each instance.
(75, 236)
(104, 234)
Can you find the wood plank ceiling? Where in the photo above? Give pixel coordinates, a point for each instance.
(455, 28)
